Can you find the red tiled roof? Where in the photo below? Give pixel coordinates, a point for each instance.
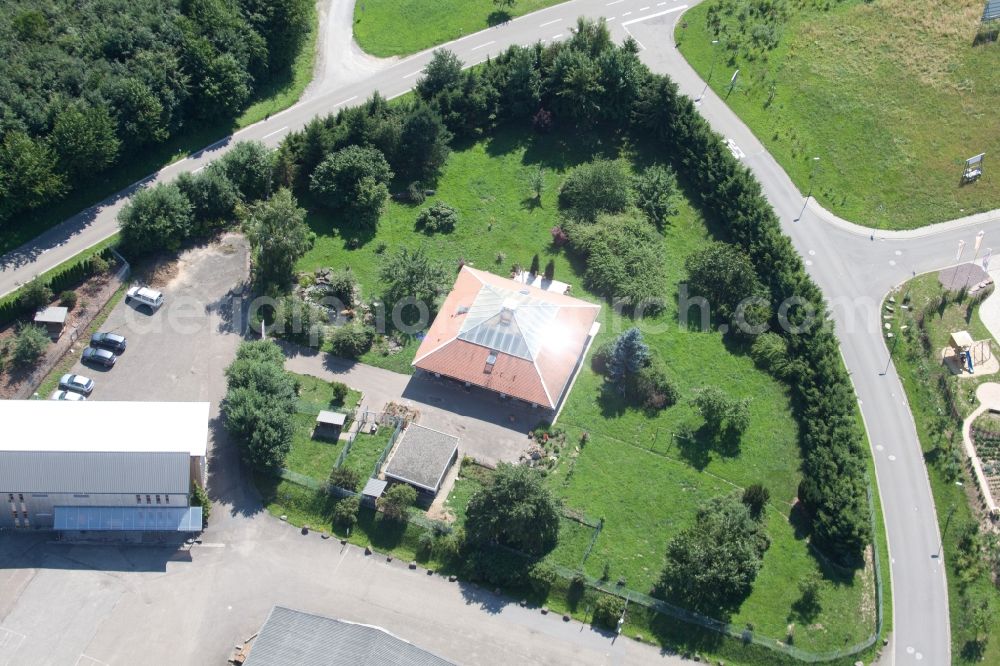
(540, 365)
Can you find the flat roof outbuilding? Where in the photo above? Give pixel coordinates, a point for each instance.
(422, 457)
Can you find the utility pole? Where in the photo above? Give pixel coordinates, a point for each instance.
(809, 193)
(711, 70)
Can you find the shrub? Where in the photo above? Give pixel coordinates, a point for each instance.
(29, 345)
(342, 285)
(559, 237)
(656, 194)
(725, 276)
(339, 392)
(415, 193)
(770, 352)
(200, 498)
(601, 186)
(351, 340)
(212, 195)
(394, 503)
(425, 544)
(756, 498)
(721, 412)
(345, 511)
(344, 477)
(99, 265)
(299, 321)
(541, 576)
(35, 295)
(608, 610)
(624, 260)
(408, 274)
(354, 179)
(627, 355)
(68, 299)
(515, 509)
(651, 386)
(248, 167)
(278, 236)
(599, 359)
(439, 217)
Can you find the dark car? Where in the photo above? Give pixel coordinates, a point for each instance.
(110, 341)
(99, 357)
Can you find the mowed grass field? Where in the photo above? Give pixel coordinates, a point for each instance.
(401, 27)
(892, 95)
(633, 472)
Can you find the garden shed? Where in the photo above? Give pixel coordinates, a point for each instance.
(372, 491)
(422, 458)
(329, 424)
(52, 319)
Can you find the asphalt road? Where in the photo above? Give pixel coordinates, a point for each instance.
(854, 266)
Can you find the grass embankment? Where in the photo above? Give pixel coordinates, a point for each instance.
(271, 98)
(401, 27)
(633, 472)
(891, 95)
(938, 420)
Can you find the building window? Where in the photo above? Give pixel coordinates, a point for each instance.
(148, 500)
(138, 499)
(167, 497)
(10, 496)
(80, 495)
(20, 497)
(157, 499)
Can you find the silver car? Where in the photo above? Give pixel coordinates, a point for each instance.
(59, 394)
(77, 384)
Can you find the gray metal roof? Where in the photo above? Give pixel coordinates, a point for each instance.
(508, 321)
(422, 457)
(128, 518)
(991, 11)
(331, 418)
(85, 472)
(374, 488)
(303, 639)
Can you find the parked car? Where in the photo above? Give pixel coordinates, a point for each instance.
(77, 384)
(59, 394)
(99, 357)
(145, 297)
(110, 341)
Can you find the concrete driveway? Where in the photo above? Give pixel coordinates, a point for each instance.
(489, 429)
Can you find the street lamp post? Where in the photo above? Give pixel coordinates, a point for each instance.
(711, 70)
(809, 193)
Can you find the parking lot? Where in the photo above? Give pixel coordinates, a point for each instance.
(179, 352)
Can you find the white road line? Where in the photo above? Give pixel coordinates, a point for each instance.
(559, 36)
(660, 4)
(198, 169)
(665, 11)
(626, 14)
(612, 18)
(279, 131)
(642, 9)
(614, 3)
(493, 41)
(413, 73)
(345, 101)
(473, 64)
(549, 23)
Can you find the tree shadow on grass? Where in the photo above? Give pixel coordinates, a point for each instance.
(697, 446)
(498, 17)
(384, 534)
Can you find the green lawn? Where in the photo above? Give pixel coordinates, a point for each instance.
(940, 438)
(634, 472)
(276, 96)
(366, 450)
(891, 95)
(315, 457)
(401, 27)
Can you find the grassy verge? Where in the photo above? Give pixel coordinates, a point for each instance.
(276, 96)
(881, 91)
(365, 451)
(401, 27)
(938, 421)
(51, 381)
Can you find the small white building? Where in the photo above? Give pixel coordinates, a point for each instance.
(101, 466)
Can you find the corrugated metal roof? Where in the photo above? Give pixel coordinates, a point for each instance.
(128, 518)
(94, 472)
(94, 425)
(293, 637)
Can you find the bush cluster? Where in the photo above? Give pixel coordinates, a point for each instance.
(439, 217)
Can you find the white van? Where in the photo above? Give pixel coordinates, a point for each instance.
(145, 296)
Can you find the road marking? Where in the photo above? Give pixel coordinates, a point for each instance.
(614, 3)
(626, 14)
(413, 73)
(559, 36)
(642, 9)
(611, 19)
(198, 169)
(734, 149)
(549, 23)
(899, 253)
(89, 660)
(812, 253)
(493, 41)
(892, 457)
(480, 62)
(346, 101)
(665, 11)
(266, 136)
(892, 262)
(660, 4)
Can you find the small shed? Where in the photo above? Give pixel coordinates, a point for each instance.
(422, 458)
(961, 341)
(329, 424)
(52, 319)
(372, 491)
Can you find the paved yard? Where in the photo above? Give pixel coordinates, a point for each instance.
(489, 429)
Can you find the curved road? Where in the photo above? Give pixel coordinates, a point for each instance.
(854, 266)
